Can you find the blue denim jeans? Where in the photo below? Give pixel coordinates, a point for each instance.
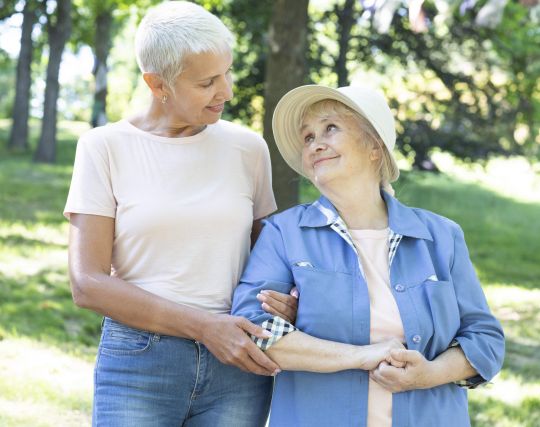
(144, 379)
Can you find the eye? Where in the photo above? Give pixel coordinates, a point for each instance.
(308, 138)
(207, 85)
(330, 127)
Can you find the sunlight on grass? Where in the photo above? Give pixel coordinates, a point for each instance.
(45, 386)
(513, 177)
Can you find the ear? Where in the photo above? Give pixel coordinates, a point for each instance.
(156, 84)
(375, 154)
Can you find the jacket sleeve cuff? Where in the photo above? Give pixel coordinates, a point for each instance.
(278, 328)
(472, 382)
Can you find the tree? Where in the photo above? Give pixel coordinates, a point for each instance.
(286, 68)
(58, 31)
(18, 138)
(102, 47)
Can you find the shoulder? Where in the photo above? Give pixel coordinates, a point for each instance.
(288, 218)
(102, 136)
(438, 225)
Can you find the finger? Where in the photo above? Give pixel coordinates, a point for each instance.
(253, 329)
(283, 298)
(262, 360)
(276, 307)
(294, 292)
(396, 363)
(406, 356)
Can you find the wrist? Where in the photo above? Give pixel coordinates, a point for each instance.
(362, 357)
(202, 325)
(431, 377)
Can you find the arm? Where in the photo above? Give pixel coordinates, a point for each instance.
(480, 335)
(90, 253)
(298, 351)
(268, 270)
(418, 372)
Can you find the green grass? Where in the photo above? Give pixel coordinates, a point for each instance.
(47, 345)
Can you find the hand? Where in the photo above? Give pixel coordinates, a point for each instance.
(226, 338)
(374, 354)
(415, 374)
(278, 304)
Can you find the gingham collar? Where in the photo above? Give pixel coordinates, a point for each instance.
(402, 220)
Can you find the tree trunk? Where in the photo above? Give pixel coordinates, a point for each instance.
(345, 23)
(58, 33)
(18, 138)
(286, 69)
(101, 53)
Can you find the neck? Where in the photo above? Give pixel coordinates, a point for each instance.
(360, 205)
(158, 120)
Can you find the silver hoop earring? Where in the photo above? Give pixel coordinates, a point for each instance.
(164, 99)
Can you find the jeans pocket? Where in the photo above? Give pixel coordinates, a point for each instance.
(118, 339)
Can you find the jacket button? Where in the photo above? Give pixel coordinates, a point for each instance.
(416, 339)
(399, 288)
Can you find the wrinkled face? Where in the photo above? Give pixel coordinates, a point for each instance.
(335, 149)
(202, 88)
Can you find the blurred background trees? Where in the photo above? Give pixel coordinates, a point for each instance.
(462, 75)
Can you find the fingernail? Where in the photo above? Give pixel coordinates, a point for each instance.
(294, 293)
(260, 297)
(268, 334)
(277, 371)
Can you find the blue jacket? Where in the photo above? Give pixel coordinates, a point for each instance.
(436, 290)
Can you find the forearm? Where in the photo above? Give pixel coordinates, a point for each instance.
(298, 351)
(450, 366)
(127, 303)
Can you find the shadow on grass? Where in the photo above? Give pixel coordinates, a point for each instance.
(522, 360)
(40, 306)
(491, 412)
(16, 240)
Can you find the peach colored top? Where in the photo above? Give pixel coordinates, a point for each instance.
(385, 320)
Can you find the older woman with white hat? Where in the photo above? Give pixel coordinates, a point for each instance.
(171, 198)
(391, 317)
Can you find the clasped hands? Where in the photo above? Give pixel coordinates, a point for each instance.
(402, 369)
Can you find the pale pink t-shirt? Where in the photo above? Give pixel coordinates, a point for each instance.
(183, 207)
(385, 320)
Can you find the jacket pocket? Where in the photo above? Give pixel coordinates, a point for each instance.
(325, 303)
(436, 306)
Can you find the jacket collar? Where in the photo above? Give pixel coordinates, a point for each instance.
(402, 219)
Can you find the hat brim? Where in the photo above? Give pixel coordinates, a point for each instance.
(289, 112)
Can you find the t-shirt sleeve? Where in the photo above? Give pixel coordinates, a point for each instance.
(264, 202)
(91, 188)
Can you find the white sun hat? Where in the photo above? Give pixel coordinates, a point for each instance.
(366, 101)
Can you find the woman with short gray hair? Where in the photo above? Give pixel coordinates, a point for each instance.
(163, 207)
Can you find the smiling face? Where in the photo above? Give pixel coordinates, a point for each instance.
(336, 147)
(201, 90)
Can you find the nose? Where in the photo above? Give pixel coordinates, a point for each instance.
(318, 144)
(224, 91)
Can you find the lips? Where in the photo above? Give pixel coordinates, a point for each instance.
(216, 108)
(323, 159)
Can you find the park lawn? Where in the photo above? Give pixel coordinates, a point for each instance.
(47, 345)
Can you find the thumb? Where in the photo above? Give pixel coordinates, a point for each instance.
(405, 356)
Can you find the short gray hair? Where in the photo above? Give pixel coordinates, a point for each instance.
(171, 31)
